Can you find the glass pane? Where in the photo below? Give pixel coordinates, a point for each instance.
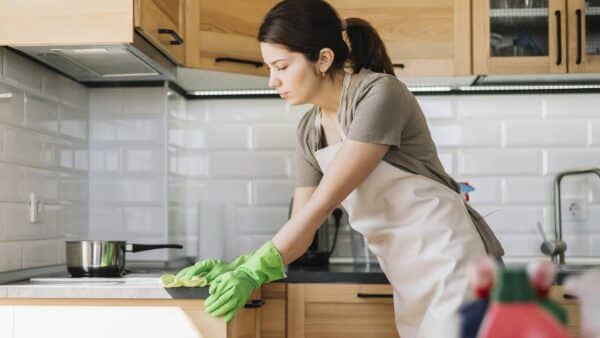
(592, 27)
(518, 28)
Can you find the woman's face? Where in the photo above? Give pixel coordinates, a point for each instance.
(291, 74)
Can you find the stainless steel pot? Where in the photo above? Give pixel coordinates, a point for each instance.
(103, 258)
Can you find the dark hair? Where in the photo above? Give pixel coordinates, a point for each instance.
(307, 26)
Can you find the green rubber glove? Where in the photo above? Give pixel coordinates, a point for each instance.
(230, 291)
(200, 274)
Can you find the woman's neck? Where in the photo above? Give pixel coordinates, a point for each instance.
(329, 94)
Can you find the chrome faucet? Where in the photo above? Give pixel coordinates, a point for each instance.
(556, 248)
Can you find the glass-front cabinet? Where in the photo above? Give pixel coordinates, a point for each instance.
(536, 36)
(584, 35)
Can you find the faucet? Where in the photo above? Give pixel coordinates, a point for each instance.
(556, 248)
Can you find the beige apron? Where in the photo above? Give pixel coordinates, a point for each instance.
(423, 237)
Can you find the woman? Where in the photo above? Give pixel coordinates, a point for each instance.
(365, 144)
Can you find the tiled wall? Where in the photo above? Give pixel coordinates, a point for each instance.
(43, 149)
(128, 169)
(508, 146)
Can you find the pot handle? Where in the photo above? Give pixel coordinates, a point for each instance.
(144, 247)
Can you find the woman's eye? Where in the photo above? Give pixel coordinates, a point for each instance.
(282, 68)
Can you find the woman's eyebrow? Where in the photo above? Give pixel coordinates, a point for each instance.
(274, 62)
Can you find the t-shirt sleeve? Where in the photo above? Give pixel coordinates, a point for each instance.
(306, 173)
(382, 113)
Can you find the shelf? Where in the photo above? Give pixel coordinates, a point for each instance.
(518, 12)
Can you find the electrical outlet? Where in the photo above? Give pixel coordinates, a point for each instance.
(576, 209)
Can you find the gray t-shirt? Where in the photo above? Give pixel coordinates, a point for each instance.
(378, 108)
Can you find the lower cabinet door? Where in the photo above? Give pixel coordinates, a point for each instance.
(340, 310)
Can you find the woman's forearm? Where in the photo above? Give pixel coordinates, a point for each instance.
(295, 236)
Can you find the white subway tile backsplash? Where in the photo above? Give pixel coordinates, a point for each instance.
(217, 137)
(192, 192)
(274, 137)
(16, 222)
(517, 190)
(520, 245)
(150, 160)
(73, 93)
(31, 97)
(260, 220)
(10, 257)
(22, 71)
(13, 181)
(144, 220)
(272, 192)
(129, 101)
(73, 122)
(576, 158)
(499, 107)
(513, 219)
(571, 105)
(12, 103)
(106, 220)
(437, 107)
(251, 165)
(72, 188)
(595, 132)
(41, 253)
(140, 130)
(72, 221)
(245, 110)
(500, 162)
(108, 160)
(43, 183)
(466, 133)
(550, 132)
(41, 114)
(192, 165)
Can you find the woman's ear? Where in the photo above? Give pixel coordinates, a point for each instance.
(326, 56)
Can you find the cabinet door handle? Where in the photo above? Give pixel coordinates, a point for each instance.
(579, 37)
(254, 304)
(177, 39)
(558, 38)
(256, 64)
(374, 295)
(398, 65)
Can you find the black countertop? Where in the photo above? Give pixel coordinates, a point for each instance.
(336, 273)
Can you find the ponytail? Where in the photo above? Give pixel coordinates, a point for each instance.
(307, 26)
(367, 50)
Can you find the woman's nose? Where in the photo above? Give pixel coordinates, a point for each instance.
(273, 81)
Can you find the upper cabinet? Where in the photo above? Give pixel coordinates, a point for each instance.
(94, 22)
(536, 36)
(222, 35)
(584, 36)
(423, 38)
(162, 23)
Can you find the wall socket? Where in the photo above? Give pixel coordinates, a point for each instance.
(576, 209)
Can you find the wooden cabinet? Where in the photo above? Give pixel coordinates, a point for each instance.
(423, 38)
(340, 310)
(572, 307)
(222, 35)
(94, 22)
(536, 36)
(162, 23)
(273, 312)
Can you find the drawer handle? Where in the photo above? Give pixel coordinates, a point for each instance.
(177, 39)
(374, 295)
(579, 39)
(569, 296)
(398, 65)
(256, 64)
(255, 304)
(558, 38)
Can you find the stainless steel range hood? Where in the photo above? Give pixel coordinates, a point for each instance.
(138, 61)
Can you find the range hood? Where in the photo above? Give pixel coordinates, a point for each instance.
(139, 61)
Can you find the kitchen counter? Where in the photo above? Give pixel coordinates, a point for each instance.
(133, 285)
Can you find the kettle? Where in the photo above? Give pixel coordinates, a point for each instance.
(323, 244)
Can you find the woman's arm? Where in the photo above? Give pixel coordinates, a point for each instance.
(352, 164)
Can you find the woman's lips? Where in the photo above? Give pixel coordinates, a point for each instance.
(284, 94)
